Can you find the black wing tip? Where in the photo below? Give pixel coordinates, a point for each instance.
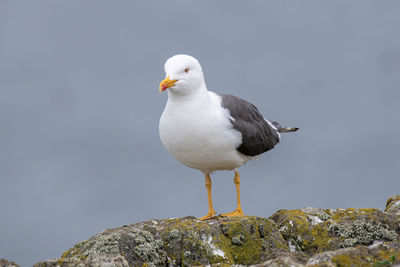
(287, 129)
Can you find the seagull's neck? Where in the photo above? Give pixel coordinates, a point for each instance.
(198, 95)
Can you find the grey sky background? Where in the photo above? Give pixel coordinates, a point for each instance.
(79, 110)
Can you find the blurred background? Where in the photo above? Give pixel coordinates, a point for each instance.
(79, 111)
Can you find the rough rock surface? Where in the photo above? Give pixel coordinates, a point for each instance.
(303, 237)
(6, 263)
(379, 254)
(315, 230)
(393, 205)
(185, 241)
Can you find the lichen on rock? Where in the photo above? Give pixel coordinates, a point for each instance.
(393, 205)
(358, 256)
(361, 232)
(182, 241)
(244, 240)
(304, 229)
(300, 237)
(313, 230)
(136, 246)
(7, 263)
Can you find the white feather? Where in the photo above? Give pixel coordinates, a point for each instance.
(194, 127)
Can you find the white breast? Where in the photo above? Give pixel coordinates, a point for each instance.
(198, 134)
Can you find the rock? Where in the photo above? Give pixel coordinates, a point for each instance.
(282, 261)
(313, 230)
(238, 240)
(94, 261)
(62, 263)
(303, 229)
(301, 237)
(6, 263)
(185, 241)
(383, 254)
(361, 232)
(287, 259)
(393, 205)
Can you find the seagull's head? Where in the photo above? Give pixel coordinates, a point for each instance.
(183, 75)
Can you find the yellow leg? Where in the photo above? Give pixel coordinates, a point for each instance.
(238, 211)
(211, 211)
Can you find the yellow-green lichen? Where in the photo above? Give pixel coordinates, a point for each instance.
(384, 255)
(387, 262)
(64, 255)
(188, 241)
(393, 204)
(351, 213)
(350, 260)
(250, 249)
(364, 257)
(77, 252)
(241, 240)
(304, 229)
(320, 237)
(315, 230)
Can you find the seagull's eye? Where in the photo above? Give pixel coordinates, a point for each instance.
(187, 70)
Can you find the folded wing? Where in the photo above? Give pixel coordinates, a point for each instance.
(258, 136)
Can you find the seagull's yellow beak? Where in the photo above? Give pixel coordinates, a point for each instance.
(166, 83)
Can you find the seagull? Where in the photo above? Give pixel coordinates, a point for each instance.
(208, 131)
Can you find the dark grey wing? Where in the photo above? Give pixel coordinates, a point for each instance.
(257, 135)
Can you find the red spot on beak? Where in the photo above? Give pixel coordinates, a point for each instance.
(166, 83)
(164, 86)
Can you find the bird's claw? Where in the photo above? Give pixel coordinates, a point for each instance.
(235, 213)
(207, 217)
